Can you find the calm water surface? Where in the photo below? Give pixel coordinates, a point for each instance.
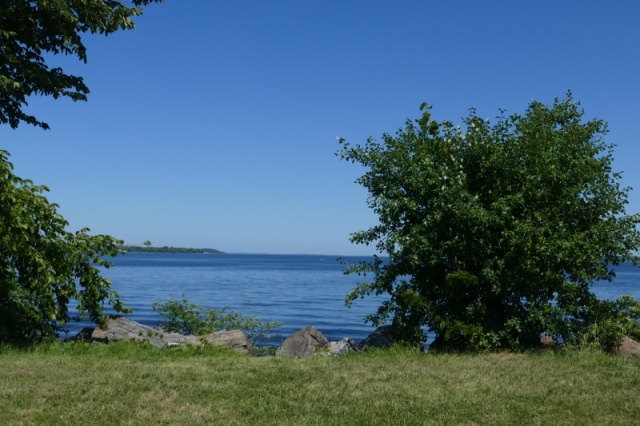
(299, 290)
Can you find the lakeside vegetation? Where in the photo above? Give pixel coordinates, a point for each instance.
(495, 230)
(166, 249)
(528, 209)
(127, 383)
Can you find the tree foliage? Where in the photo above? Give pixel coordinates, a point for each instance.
(494, 233)
(32, 31)
(43, 266)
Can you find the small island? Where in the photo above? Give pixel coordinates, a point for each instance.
(166, 249)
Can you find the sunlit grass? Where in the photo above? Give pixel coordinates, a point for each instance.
(130, 384)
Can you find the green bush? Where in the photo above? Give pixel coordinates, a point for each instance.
(604, 324)
(183, 316)
(494, 233)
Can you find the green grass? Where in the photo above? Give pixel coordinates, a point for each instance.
(132, 384)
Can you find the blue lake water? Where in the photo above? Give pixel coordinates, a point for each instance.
(299, 290)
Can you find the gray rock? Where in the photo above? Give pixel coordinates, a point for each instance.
(547, 340)
(234, 339)
(120, 328)
(380, 338)
(628, 347)
(84, 335)
(343, 346)
(550, 342)
(303, 343)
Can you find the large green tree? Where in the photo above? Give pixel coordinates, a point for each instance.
(495, 232)
(43, 266)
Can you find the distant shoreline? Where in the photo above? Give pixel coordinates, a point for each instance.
(166, 249)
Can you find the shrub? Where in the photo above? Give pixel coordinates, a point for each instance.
(183, 316)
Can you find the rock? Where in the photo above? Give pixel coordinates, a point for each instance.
(628, 347)
(547, 340)
(84, 335)
(380, 338)
(120, 328)
(234, 339)
(303, 343)
(343, 346)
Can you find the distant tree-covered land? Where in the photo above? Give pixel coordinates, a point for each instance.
(166, 249)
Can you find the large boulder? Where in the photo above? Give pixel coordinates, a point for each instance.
(628, 347)
(120, 328)
(303, 343)
(234, 339)
(380, 338)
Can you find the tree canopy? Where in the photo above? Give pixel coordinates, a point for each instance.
(495, 232)
(43, 266)
(31, 31)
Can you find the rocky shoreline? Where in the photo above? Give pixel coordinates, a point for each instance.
(306, 342)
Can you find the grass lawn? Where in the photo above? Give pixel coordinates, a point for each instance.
(126, 383)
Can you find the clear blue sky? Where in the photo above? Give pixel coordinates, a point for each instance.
(214, 124)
